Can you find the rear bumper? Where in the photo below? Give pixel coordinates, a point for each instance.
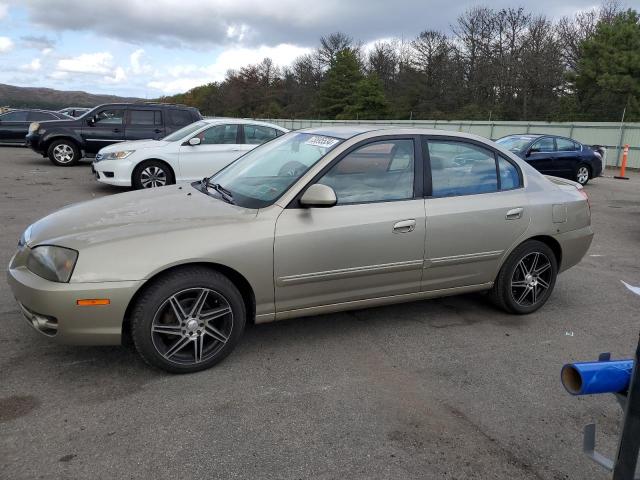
(575, 245)
(51, 308)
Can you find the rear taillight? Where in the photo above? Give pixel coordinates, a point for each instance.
(586, 197)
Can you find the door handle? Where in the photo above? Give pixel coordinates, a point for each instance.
(514, 213)
(157, 130)
(404, 226)
(116, 130)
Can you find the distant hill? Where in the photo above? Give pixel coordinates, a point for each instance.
(50, 99)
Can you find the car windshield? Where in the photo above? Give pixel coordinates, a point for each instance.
(184, 131)
(515, 143)
(260, 177)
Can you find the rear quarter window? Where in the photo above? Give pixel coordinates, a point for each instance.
(180, 118)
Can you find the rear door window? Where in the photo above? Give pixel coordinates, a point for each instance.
(460, 168)
(145, 117)
(257, 134)
(565, 145)
(509, 176)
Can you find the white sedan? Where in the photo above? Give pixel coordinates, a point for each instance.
(191, 153)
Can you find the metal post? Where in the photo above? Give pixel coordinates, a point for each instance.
(627, 460)
(620, 137)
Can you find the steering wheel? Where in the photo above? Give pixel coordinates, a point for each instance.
(292, 169)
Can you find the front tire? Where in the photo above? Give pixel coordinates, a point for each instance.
(188, 320)
(582, 174)
(152, 173)
(63, 153)
(526, 279)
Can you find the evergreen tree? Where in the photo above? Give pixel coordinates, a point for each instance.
(337, 90)
(608, 73)
(369, 101)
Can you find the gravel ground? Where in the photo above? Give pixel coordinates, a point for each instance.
(447, 388)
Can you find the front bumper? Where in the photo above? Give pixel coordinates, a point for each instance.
(34, 141)
(113, 172)
(51, 308)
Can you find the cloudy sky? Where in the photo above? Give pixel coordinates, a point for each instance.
(151, 47)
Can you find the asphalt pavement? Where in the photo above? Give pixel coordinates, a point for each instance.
(449, 388)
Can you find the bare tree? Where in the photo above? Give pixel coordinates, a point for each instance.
(332, 44)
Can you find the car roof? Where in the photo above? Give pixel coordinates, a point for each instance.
(146, 104)
(346, 131)
(243, 121)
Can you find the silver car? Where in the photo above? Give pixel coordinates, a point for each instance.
(315, 221)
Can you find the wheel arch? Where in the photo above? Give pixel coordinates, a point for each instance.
(55, 138)
(552, 243)
(239, 280)
(154, 159)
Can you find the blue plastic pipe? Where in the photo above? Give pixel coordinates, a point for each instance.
(586, 378)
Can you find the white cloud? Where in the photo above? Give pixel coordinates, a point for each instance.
(138, 67)
(33, 66)
(180, 78)
(119, 76)
(58, 75)
(4, 10)
(100, 63)
(46, 51)
(6, 44)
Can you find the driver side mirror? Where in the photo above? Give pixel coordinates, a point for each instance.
(531, 150)
(194, 141)
(92, 120)
(320, 196)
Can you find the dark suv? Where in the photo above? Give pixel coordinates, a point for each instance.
(66, 141)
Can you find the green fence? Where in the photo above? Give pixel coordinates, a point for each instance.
(610, 135)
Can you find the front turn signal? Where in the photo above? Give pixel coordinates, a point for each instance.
(91, 302)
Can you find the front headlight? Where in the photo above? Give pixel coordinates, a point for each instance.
(25, 237)
(116, 155)
(34, 126)
(52, 263)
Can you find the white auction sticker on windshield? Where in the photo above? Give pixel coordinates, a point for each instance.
(326, 142)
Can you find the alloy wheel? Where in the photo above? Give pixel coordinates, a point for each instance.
(153, 176)
(582, 175)
(63, 153)
(531, 279)
(192, 326)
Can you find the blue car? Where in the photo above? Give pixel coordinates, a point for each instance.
(554, 155)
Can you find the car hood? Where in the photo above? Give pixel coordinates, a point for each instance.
(135, 214)
(133, 145)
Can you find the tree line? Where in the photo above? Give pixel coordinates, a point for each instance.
(505, 64)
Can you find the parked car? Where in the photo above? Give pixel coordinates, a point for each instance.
(14, 124)
(554, 155)
(74, 111)
(315, 221)
(66, 142)
(197, 150)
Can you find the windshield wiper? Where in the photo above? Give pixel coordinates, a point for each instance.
(224, 193)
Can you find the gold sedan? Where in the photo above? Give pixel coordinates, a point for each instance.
(314, 221)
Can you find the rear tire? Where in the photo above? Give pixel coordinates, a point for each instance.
(63, 153)
(188, 320)
(583, 173)
(526, 279)
(152, 173)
